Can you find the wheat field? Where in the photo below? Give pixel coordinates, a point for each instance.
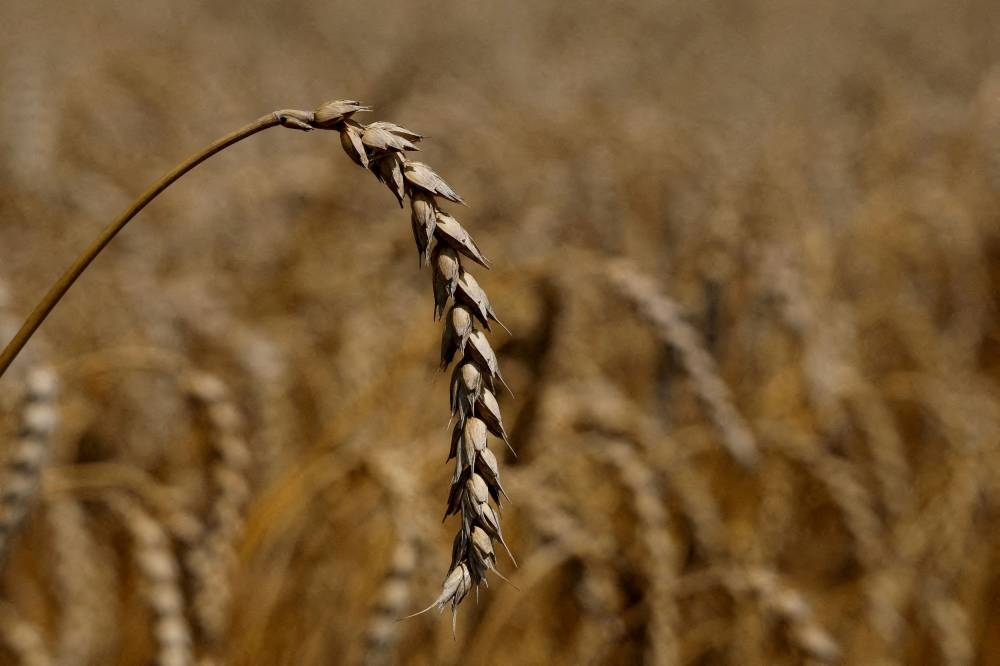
(748, 253)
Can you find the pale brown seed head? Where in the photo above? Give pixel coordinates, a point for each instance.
(331, 114)
(420, 175)
(446, 267)
(350, 139)
(450, 231)
(424, 222)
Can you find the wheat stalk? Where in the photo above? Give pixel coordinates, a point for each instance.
(329, 116)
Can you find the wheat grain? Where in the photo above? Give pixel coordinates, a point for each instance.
(382, 633)
(160, 573)
(786, 603)
(213, 560)
(661, 551)
(39, 417)
(86, 586)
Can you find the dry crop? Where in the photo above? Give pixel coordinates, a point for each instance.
(748, 252)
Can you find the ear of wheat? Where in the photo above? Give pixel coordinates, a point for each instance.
(441, 241)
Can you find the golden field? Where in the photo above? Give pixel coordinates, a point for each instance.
(748, 252)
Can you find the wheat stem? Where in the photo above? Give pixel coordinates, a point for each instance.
(63, 284)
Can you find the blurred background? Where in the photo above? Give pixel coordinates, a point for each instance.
(749, 252)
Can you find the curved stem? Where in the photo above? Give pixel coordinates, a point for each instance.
(62, 285)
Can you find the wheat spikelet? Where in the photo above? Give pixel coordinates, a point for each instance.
(834, 375)
(601, 600)
(846, 490)
(23, 638)
(949, 534)
(383, 629)
(27, 75)
(442, 242)
(664, 314)
(949, 621)
(160, 574)
(86, 587)
(20, 479)
(268, 365)
(213, 559)
(382, 634)
(776, 512)
(560, 524)
(853, 500)
(602, 408)
(661, 551)
(788, 605)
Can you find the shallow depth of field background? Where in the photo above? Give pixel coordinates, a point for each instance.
(816, 186)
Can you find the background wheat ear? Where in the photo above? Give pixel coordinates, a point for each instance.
(20, 479)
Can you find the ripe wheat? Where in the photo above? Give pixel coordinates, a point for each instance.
(86, 588)
(20, 478)
(160, 574)
(212, 560)
(23, 638)
(382, 148)
(442, 242)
